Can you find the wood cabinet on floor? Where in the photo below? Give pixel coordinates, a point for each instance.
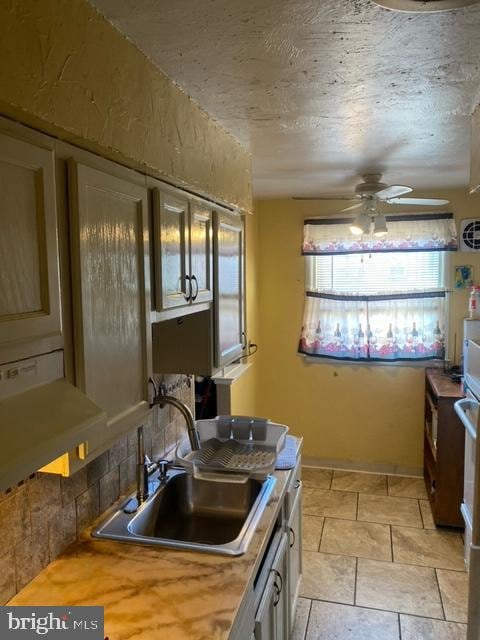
(444, 447)
(30, 321)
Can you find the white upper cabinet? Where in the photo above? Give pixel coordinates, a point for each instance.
(201, 217)
(30, 320)
(183, 252)
(111, 291)
(172, 251)
(229, 288)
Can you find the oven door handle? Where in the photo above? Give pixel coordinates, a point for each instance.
(461, 408)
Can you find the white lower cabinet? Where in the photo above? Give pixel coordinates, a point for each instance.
(269, 607)
(294, 570)
(271, 620)
(265, 627)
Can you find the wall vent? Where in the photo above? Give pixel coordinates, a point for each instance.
(470, 234)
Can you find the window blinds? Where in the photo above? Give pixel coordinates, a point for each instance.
(378, 272)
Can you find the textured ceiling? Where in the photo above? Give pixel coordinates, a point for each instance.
(321, 91)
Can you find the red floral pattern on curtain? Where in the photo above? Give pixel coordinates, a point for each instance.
(390, 327)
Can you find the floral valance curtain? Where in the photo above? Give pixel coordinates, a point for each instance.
(424, 232)
(386, 325)
(406, 326)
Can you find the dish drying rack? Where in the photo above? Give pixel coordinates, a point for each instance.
(233, 448)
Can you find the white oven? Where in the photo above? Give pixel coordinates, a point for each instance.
(468, 411)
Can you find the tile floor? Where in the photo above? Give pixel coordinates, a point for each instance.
(374, 565)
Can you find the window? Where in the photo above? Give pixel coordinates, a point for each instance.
(377, 299)
(377, 272)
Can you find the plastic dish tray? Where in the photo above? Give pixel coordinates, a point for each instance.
(235, 446)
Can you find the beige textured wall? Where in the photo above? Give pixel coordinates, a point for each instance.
(68, 71)
(363, 415)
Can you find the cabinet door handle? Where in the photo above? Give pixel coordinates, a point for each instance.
(276, 598)
(297, 484)
(292, 543)
(194, 279)
(189, 296)
(279, 576)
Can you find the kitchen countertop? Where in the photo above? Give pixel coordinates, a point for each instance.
(146, 591)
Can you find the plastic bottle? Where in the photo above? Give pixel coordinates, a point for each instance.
(473, 301)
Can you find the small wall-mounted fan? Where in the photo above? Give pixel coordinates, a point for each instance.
(374, 191)
(470, 234)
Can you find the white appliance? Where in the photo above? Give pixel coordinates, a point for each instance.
(471, 331)
(468, 411)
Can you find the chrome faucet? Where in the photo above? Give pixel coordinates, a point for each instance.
(162, 399)
(144, 468)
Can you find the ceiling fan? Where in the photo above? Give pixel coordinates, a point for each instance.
(371, 192)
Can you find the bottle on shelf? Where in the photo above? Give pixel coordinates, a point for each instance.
(473, 302)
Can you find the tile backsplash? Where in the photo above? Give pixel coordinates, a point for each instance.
(40, 517)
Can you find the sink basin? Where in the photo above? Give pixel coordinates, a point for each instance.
(191, 513)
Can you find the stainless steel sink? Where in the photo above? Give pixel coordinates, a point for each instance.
(189, 513)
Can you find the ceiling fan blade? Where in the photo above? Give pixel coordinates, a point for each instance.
(333, 197)
(425, 202)
(354, 206)
(394, 191)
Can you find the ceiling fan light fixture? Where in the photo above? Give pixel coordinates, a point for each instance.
(380, 226)
(361, 224)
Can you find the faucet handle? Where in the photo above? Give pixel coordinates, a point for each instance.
(162, 466)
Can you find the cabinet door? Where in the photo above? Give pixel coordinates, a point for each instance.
(201, 252)
(294, 533)
(29, 272)
(265, 620)
(229, 288)
(173, 287)
(111, 293)
(271, 620)
(280, 571)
